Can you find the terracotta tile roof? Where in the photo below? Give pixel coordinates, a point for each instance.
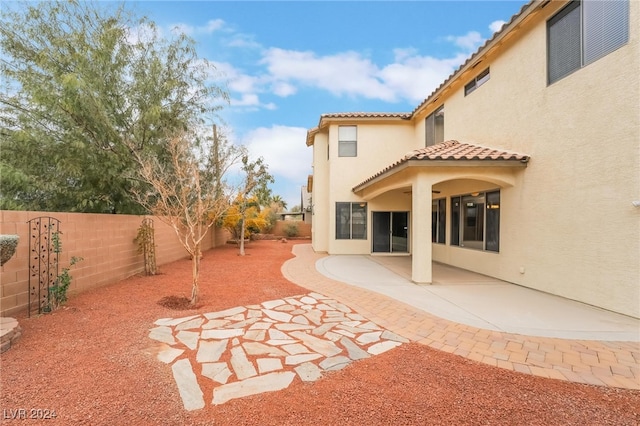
(452, 151)
(311, 134)
(366, 115)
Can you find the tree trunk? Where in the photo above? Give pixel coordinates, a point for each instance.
(195, 264)
(242, 236)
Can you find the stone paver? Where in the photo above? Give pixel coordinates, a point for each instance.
(604, 363)
(267, 345)
(185, 378)
(266, 383)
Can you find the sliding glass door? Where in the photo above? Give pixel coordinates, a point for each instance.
(390, 232)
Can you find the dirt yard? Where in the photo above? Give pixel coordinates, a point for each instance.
(93, 363)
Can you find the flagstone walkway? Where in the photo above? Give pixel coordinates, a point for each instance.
(267, 346)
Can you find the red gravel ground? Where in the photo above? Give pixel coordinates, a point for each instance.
(93, 363)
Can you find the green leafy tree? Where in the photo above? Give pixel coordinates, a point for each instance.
(85, 85)
(278, 201)
(256, 179)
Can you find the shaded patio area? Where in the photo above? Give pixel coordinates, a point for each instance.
(481, 301)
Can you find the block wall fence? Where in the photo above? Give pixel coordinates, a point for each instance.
(104, 241)
(304, 229)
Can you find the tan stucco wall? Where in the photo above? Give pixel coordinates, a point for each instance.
(320, 195)
(378, 146)
(566, 220)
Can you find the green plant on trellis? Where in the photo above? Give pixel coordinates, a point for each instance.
(61, 283)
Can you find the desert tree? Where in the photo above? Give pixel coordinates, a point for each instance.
(190, 192)
(277, 201)
(255, 180)
(83, 84)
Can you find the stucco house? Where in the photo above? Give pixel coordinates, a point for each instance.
(523, 165)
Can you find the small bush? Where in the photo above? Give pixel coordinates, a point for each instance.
(291, 230)
(8, 244)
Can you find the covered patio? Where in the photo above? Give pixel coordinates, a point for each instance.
(441, 171)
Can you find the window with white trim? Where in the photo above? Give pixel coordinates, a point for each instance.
(583, 32)
(351, 221)
(480, 79)
(347, 141)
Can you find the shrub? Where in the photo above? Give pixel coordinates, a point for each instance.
(291, 230)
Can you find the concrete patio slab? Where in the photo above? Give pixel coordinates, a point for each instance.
(480, 301)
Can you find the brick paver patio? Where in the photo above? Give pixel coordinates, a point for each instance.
(604, 363)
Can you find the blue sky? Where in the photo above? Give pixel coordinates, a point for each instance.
(285, 63)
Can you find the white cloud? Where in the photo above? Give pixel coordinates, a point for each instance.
(411, 77)
(283, 89)
(282, 150)
(243, 41)
(212, 26)
(346, 73)
(191, 30)
(495, 26)
(468, 42)
(415, 77)
(247, 99)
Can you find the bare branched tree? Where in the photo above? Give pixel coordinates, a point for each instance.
(189, 192)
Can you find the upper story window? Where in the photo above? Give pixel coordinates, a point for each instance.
(482, 78)
(434, 127)
(583, 32)
(347, 141)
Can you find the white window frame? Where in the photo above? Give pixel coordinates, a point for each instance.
(347, 141)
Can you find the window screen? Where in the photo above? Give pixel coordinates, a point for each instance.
(606, 27)
(564, 42)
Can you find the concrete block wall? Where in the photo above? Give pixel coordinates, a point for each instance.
(104, 241)
(304, 229)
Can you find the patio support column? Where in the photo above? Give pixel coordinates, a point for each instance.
(421, 229)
